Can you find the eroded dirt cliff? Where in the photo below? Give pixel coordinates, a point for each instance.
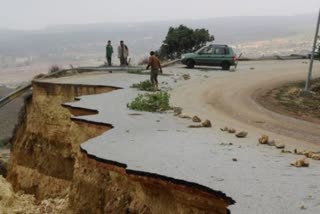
(46, 161)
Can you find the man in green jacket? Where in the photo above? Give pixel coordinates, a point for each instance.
(109, 52)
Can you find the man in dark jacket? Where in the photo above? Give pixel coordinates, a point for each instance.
(109, 52)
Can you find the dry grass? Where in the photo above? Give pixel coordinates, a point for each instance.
(292, 98)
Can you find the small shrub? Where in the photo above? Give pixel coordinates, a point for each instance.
(143, 86)
(155, 102)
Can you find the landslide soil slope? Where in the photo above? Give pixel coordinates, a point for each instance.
(231, 98)
(46, 162)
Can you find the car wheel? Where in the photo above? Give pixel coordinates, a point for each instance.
(190, 63)
(225, 66)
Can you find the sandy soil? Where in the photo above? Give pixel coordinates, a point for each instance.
(230, 98)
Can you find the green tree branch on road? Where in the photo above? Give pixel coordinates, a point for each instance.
(181, 40)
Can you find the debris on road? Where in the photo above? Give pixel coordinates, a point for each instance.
(229, 130)
(286, 151)
(232, 130)
(196, 119)
(279, 145)
(225, 129)
(207, 124)
(242, 134)
(315, 156)
(301, 163)
(264, 139)
(186, 76)
(308, 154)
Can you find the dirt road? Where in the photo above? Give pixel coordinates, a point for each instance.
(228, 98)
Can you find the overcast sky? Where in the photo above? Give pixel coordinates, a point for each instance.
(35, 14)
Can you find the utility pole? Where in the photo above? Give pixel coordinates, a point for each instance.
(307, 86)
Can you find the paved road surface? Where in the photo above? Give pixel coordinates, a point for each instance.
(228, 97)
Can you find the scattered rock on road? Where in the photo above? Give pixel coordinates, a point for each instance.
(232, 130)
(242, 134)
(234, 159)
(186, 76)
(196, 119)
(301, 163)
(315, 157)
(225, 129)
(264, 139)
(279, 145)
(207, 124)
(308, 154)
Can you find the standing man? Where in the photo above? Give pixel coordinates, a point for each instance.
(109, 52)
(123, 53)
(155, 65)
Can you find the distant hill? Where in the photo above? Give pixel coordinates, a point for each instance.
(69, 40)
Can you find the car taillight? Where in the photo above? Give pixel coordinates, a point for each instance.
(234, 58)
